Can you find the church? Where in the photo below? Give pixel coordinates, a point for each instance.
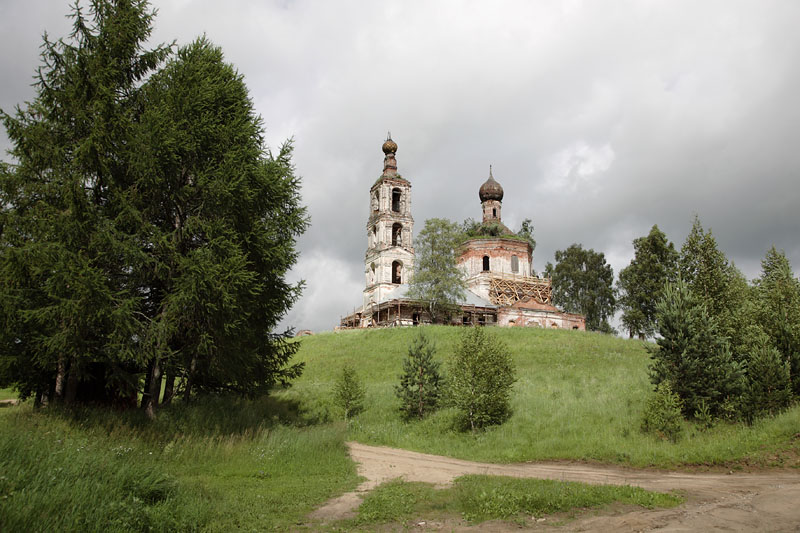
(498, 268)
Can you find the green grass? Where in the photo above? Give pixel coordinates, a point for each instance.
(579, 396)
(223, 464)
(219, 465)
(7, 394)
(478, 498)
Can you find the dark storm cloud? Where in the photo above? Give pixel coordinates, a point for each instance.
(600, 118)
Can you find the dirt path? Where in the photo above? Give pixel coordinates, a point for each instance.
(768, 501)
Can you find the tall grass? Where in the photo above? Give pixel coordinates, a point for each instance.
(218, 465)
(579, 396)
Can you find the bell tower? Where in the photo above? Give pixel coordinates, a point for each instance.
(389, 261)
(491, 195)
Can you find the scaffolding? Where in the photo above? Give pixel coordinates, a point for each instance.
(505, 290)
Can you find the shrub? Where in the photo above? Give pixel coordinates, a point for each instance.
(480, 379)
(420, 384)
(349, 392)
(662, 414)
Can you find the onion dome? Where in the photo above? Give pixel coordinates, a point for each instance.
(389, 147)
(491, 190)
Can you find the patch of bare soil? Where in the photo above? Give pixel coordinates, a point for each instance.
(759, 501)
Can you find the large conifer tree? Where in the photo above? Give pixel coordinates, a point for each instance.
(69, 225)
(144, 225)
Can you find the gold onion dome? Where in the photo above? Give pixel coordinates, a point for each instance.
(389, 147)
(491, 190)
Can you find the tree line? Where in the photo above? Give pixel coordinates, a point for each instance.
(145, 229)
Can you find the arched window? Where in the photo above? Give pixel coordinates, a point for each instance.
(485, 263)
(514, 263)
(374, 235)
(397, 272)
(376, 201)
(396, 200)
(397, 234)
(372, 276)
(494, 212)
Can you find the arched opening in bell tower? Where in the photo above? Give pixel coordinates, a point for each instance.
(485, 263)
(397, 272)
(396, 200)
(397, 234)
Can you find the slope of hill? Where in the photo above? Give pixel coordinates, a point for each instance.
(579, 396)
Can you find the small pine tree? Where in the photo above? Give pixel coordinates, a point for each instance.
(769, 388)
(420, 384)
(662, 414)
(692, 355)
(349, 392)
(480, 377)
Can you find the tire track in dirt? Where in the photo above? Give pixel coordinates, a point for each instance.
(765, 501)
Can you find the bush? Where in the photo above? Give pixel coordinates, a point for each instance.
(480, 379)
(348, 393)
(662, 414)
(420, 384)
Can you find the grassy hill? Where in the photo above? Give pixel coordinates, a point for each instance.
(222, 463)
(579, 396)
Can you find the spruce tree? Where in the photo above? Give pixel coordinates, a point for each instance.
(419, 388)
(778, 295)
(349, 392)
(692, 355)
(769, 386)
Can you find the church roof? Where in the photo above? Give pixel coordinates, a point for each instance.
(490, 190)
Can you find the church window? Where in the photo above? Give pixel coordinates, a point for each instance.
(397, 272)
(494, 212)
(397, 234)
(396, 200)
(485, 263)
(514, 263)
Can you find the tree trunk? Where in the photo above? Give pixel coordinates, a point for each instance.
(37, 400)
(155, 388)
(72, 384)
(146, 390)
(169, 389)
(58, 394)
(189, 379)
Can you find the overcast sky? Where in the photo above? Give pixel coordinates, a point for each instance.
(600, 118)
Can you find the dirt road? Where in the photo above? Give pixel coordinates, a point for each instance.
(768, 501)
